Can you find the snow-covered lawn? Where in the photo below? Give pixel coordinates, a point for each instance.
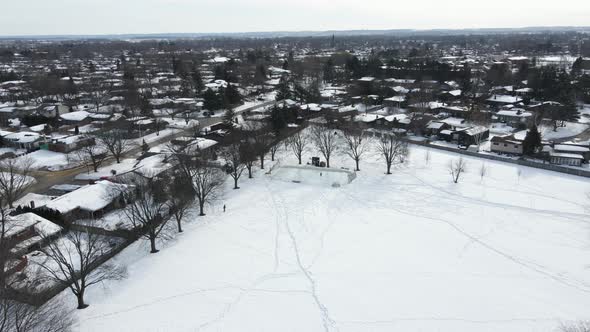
(49, 160)
(406, 252)
(126, 165)
(571, 129)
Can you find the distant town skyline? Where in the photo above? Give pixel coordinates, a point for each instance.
(96, 17)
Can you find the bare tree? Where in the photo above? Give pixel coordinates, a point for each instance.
(98, 90)
(205, 179)
(20, 317)
(483, 171)
(147, 206)
(73, 261)
(15, 178)
(427, 157)
(325, 140)
(248, 155)
(456, 167)
(116, 143)
(5, 244)
(356, 145)
(91, 156)
(262, 141)
(392, 149)
(298, 143)
(207, 182)
(181, 196)
(235, 164)
(274, 148)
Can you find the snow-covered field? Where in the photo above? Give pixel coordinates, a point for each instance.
(313, 175)
(406, 252)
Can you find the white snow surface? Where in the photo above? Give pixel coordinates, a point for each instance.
(570, 130)
(410, 251)
(48, 159)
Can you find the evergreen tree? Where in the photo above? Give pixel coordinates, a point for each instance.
(532, 141)
(229, 116)
(277, 119)
(211, 100)
(283, 90)
(232, 95)
(354, 67)
(329, 70)
(313, 93)
(197, 80)
(577, 66)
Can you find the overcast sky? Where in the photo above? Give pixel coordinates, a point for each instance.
(36, 17)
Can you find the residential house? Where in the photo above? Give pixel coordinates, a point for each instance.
(67, 144)
(25, 233)
(581, 150)
(29, 141)
(516, 117)
(77, 118)
(507, 144)
(466, 136)
(90, 201)
(503, 100)
(568, 159)
(435, 127)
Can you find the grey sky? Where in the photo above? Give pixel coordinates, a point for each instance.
(22, 17)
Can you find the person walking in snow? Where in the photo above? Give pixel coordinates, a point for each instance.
(223, 207)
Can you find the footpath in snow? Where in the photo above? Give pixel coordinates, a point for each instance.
(410, 251)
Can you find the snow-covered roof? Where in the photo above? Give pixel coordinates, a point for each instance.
(397, 99)
(92, 197)
(571, 148)
(19, 223)
(565, 155)
(518, 58)
(204, 143)
(515, 113)
(75, 116)
(400, 81)
(476, 130)
(40, 200)
(400, 89)
(401, 118)
(504, 99)
(311, 107)
(347, 108)
(431, 105)
(457, 122)
(435, 125)
(23, 137)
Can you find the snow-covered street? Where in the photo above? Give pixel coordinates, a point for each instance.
(410, 251)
